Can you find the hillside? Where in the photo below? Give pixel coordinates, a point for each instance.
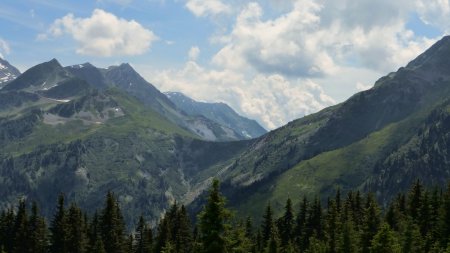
(368, 142)
(83, 131)
(218, 112)
(59, 133)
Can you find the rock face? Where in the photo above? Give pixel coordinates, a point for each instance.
(7, 72)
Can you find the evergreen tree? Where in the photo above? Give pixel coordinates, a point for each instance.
(267, 226)
(348, 242)
(300, 226)
(59, 228)
(21, 232)
(415, 201)
(112, 226)
(213, 222)
(143, 237)
(76, 236)
(371, 223)
(286, 224)
(37, 230)
(184, 240)
(412, 240)
(385, 241)
(444, 219)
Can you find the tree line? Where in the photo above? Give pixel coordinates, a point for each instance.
(417, 221)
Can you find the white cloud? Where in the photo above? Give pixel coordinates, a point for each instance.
(361, 87)
(271, 99)
(317, 38)
(436, 13)
(202, 8)
(4, 48)
(281, 65)
(194, 52)
(103, 34)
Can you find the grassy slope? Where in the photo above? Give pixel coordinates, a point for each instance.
(321, 175)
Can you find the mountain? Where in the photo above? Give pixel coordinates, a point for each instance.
(7, 72)
(378, 140)
(84, 131)
(218, 112)
(67, 130)
(125, 78)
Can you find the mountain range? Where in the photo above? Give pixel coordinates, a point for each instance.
(220, 113)
(84, 131)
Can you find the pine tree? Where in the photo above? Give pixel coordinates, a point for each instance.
(76, 236)
(267, 226)
(385, 241)
(59, 229)
(112, 226)
(21, 235)
(300, 226)
(415, 201)
(371, 223)
(7, 230)
(213, 222)
(444, 219)
(143, 240)
(286, 224)
(412, 240)
(37, 230)
(348, 242)
(333, 226)
(184, 240)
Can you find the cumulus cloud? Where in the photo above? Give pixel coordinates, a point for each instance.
(271, 99)
(436, 13)
(202, 8)
(284, 64)
(4, 48)
(103, 34)
(193, 54)
(316, 38)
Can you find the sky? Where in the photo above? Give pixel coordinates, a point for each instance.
(270, 60)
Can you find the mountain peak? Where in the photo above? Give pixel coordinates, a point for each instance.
(437, 56)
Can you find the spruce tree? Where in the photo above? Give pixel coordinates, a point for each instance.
(213, 222)
(286, 224)
(267, 226)
(59, 228)
(37, 230)
(370, 224)
(184, 240)
(385, 241)
(21, 232)
(76, 236)
(112, 226)
(143, 237)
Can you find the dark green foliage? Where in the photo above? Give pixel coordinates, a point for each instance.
(37, 229)
(213, 222)
(59, 228)
(341, 228)
(112, 226)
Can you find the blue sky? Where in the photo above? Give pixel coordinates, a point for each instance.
(272, 60)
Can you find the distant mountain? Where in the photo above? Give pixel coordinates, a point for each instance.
(125, 78)
(7, 72)
(218, 112)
